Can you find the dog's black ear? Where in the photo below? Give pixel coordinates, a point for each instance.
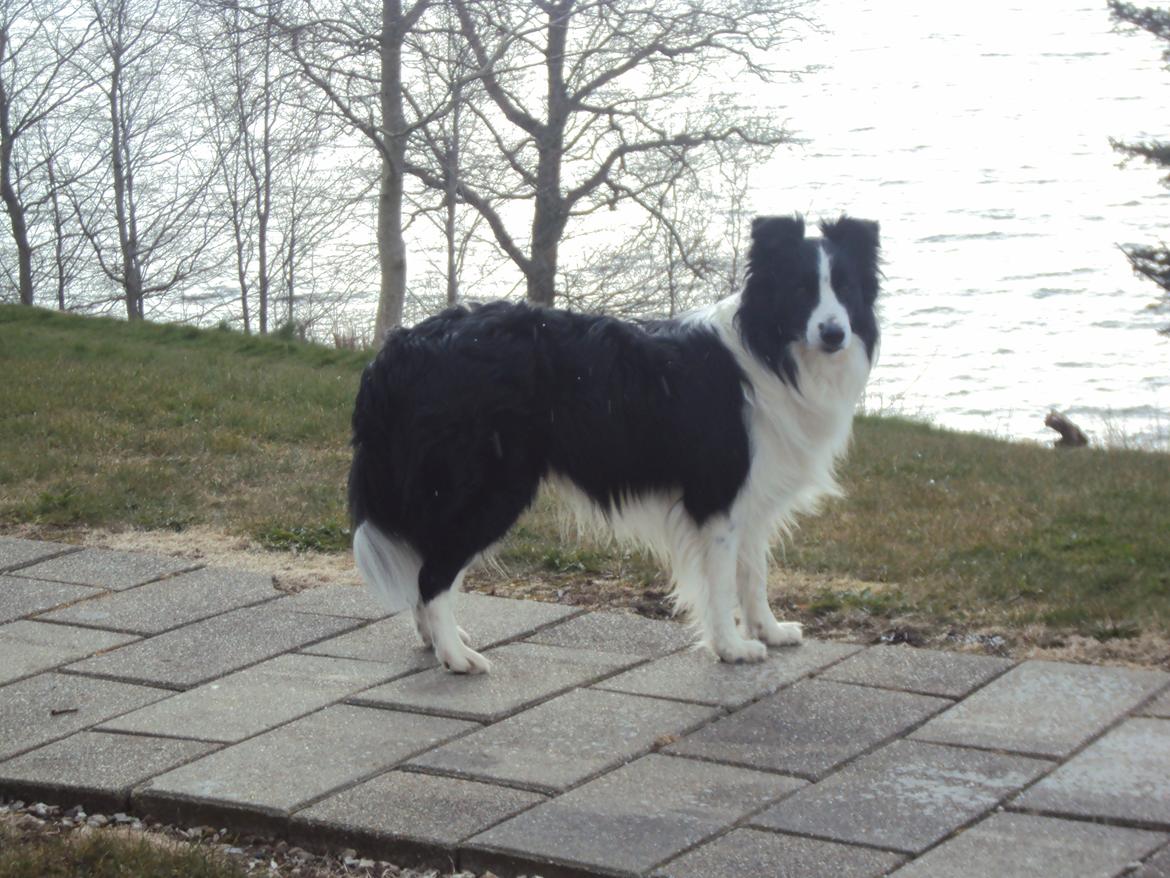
(860, 240)
(773, 232)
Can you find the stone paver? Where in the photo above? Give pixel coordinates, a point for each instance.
(25, 597)
(28, 647)
(169, 603)
(904, 797)
(15, 552)
(809, 728)
(51, 706)
(1043, 708)
(280, 770)
(1123, 776)
(927, 671)
(1157, 866)
(487, 620)
(751, 852)
(618, 632)
(564, 741)
(202, 651)
(522, 674)
(1160, 706)
(411, 817)
(107, 569)
(354, 601)
(697, 676)
(1023, 846)
(98, 767)
(646, 812)
(257, 698)
(601, 744)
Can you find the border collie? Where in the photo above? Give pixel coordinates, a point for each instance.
(699, 437)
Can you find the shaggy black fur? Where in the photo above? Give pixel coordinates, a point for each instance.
(458, 419)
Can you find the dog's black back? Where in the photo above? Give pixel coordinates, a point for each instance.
(458, 419)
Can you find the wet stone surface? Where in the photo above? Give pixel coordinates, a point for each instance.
(904, 797)
(1043, 708)
(130, 682)
(1122, 776)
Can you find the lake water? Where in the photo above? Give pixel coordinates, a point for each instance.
(978, 135)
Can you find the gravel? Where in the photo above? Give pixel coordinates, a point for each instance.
(258, 855)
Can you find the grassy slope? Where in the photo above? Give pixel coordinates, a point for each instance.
(161, 427)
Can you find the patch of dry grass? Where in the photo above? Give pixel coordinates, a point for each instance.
(152, 429)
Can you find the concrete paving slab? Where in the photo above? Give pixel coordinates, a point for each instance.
(1157, 866)
(926, 671)
(751, 852)
(646, 812)
(1160, 706)
(252, 700)
(1043, 708)
(354, 601)
(93, 768)
(1124, 776)
(489, 621)
(107, 569)
(905, 797)
(187, 656)
(697, 676)
(281, 770)
(169, 603)
(622, 633)
(411, 818)
(522, 674)
(51, 706)
(26, 597)
(16, 553)
(562, 742)
(1023, 846)
(28, 647)
(809, 728)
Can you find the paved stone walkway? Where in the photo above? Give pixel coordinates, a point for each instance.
(599, 745)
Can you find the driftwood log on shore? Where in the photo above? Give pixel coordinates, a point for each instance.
(1071, 436)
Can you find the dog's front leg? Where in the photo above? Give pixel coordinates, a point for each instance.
(752, 584)
(717, 606)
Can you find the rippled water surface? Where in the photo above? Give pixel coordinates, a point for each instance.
(978, 135)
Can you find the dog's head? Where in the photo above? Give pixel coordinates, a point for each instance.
(819, 293)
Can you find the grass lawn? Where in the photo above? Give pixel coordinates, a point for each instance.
(106, 855)
(164, 427)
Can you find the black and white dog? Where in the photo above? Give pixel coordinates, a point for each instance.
(699, 437)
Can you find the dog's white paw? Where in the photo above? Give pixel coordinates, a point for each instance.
(741, 650)
(776, 633)
(464, 636)
(463, 660)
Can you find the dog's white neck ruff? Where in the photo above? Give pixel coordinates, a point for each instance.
(797, 432)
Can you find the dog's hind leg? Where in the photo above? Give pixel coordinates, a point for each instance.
(752, 585)
(423, 627)
(447, 638)
(716, 605)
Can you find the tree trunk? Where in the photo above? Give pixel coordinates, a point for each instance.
(391, 245)
(123, 198)
(549, 214)
(16, 212)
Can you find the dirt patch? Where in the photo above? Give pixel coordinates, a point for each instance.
(795, 595)
(293, 571)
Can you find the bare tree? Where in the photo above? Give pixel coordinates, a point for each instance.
(596, 103)
(355, 56)
(145, 218)
(38, 43)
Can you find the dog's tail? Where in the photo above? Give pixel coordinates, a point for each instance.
(388, 565)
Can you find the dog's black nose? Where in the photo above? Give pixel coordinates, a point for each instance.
(832, 336)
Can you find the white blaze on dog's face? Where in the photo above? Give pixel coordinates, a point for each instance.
(828, 326)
